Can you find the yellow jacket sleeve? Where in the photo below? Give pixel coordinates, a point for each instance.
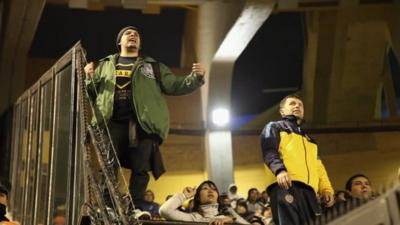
(324, 183)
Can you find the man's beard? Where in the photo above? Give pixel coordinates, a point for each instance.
(133, 48)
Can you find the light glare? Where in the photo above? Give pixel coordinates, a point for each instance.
(220, 117)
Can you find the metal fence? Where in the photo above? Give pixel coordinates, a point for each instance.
(45, 172)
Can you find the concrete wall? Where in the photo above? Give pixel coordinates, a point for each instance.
(377, 155)
(184, 160)
(344, 83)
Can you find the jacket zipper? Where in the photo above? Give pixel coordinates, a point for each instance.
(134, 69)
(133, 98)
(305, 157)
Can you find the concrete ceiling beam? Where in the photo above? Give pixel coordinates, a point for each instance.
(128, 4)
(312, 5)
(78, 4)
(218, 140)
(237, 39)
(134, 4)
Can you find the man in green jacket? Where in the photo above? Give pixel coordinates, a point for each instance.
(128, 92)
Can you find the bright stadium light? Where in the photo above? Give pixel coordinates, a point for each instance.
(220, 117)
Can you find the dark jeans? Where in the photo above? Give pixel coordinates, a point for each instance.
(135, 158)
(296, 206)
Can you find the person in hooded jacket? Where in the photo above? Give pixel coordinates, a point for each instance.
(233, 195)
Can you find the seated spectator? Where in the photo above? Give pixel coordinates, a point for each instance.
(267, 214)
(264, 198)
(252, 201)
(340, 196)
(359, 187)
(206, 206)
(243, 211)
(232, 195)
(59, 219)
(149, 205)
(59, 215)
(225, 201)
(265, 218)
(5, 188)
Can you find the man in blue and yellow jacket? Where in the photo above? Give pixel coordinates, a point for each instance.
(296, 173)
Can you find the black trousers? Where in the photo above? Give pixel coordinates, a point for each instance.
(296, 206)
(137, 159)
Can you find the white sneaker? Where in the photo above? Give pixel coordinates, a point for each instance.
(142, 215)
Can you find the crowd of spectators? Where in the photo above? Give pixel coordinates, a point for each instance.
(207, 204)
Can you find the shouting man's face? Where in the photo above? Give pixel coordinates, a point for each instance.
(130, 40)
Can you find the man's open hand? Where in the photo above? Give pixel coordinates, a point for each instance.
(284, 180)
